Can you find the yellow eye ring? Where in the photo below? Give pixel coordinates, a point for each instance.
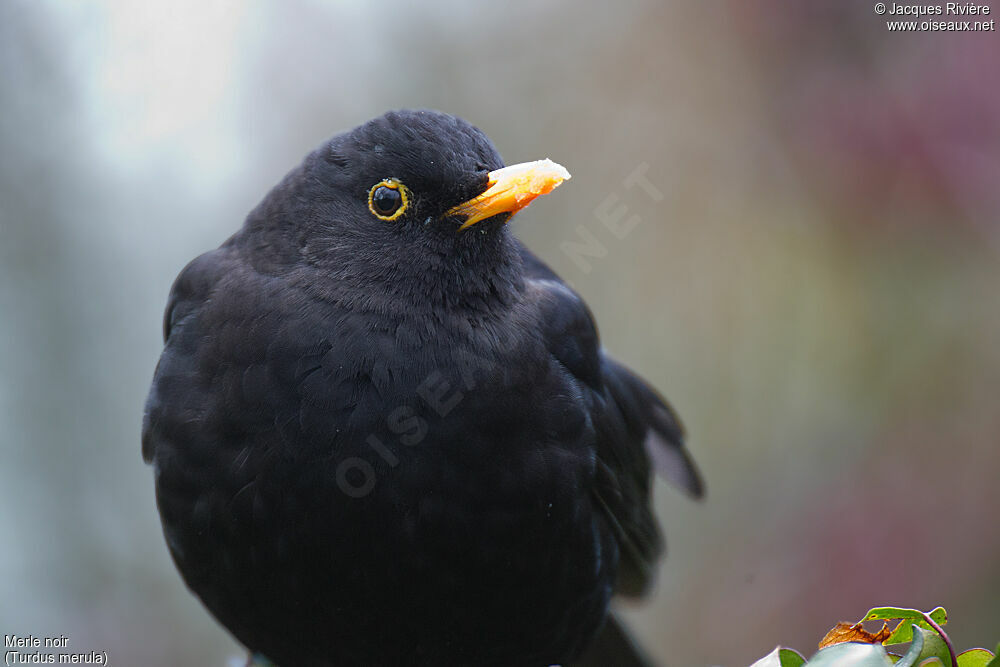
(388, 199)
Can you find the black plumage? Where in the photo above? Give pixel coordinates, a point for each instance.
(390, 442)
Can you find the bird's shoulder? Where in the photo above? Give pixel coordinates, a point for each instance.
(195, 283)
(568, 327)
(230, 335)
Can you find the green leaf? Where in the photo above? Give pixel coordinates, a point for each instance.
(995, 662)
(934, 647)
(974, 657)
(904, 631)
(890, 613)
(851, 654)
(902, 634)
(790, 658)
(780, 657)
(939, 615)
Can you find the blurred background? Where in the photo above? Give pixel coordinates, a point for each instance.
(812, 277)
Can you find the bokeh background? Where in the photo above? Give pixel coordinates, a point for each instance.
(817, 290)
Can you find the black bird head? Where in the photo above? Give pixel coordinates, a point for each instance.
(412, 203)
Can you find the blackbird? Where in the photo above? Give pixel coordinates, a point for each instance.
(384, 433)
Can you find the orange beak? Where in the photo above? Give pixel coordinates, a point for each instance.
(510, 189)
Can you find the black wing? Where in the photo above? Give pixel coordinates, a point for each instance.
(637, 430)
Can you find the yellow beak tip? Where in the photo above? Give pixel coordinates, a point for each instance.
(511, 189)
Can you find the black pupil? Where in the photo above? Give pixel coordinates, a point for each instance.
(386, 200)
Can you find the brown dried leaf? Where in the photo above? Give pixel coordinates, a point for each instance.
(847, 632)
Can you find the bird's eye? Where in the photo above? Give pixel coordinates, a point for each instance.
(388, 199)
